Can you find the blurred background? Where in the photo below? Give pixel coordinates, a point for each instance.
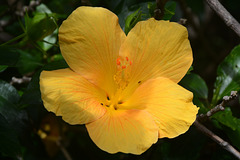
(29, 44)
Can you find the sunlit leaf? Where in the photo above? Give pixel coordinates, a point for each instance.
(228, 76)
(42, 8)
(132, 20)
(40, 26)
(49, 41)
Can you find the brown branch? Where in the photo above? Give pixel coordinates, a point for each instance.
(219, 107)
(217, 139)
(22, 80)
(159, 11)
(225, 15)
(64, 151)
(182, 21)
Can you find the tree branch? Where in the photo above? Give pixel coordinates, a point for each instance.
(217, 139)
(63, 149)
(219, 107)
(225, 15)
(159, 11)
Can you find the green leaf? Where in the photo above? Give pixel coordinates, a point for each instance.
(151, 8)
(231, 125)
(195, 84)
(42, 8)
(29, 62)
(132, 20)
(12, 120)
(60, 64)
(8, 56)
(226, 118)
(32, 95)
(169, 10)
(130, 9)
(12, 113)
(189, 70)
(10, 145)
(3, 68)
(40, 26)
(49, 41)
(8, 92)
(228, 76)
(181, 147)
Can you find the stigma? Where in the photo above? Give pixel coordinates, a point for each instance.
(122, 75)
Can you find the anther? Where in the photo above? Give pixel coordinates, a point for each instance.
(108, 98)
(118, 61)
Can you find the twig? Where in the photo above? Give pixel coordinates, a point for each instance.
(219, 107)
(217, 139)
(225, 15)
(159, 11)
(30, 7)
(24, 79)
(64, 151)
(182, 21)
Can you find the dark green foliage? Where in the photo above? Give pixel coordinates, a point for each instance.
(11, 121)
(228, 76)
(9, 56)
(27, 52)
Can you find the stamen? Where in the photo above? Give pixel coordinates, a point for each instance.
(122, 75)
(118, 61)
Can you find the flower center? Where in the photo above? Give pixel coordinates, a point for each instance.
(121, 79)
(122, 75)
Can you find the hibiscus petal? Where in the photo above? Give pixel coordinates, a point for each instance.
(128, 131)
(158, 49)
(89, 40)
(69, 95)
(169, 103)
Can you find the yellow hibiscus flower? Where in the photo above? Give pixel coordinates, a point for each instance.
(123, 88)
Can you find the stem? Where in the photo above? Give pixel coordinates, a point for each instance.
(14, 39)
(230, 21)
(56, 45)
(217, 139)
